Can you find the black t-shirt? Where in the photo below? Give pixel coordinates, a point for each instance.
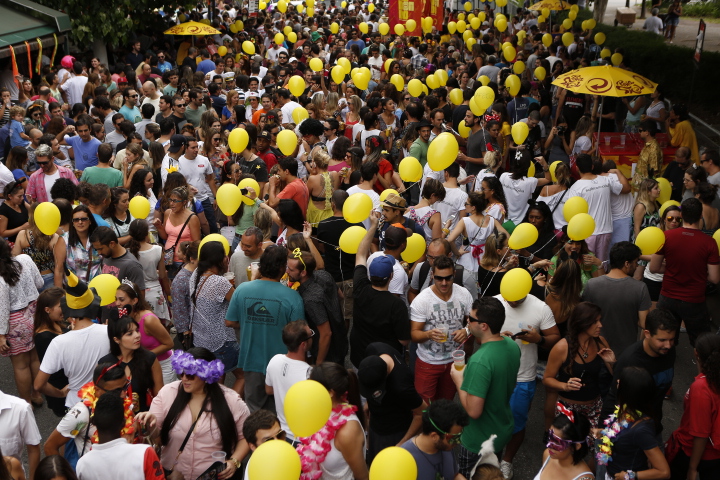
(573, 108)
(662, 369)
(675, 175)
(458, 115)
(142, 362)
(378, 316)
(394, 413)
(256, 167)
(15, 219)
(476, 148)
(628, 451)
(609, 105)
(339, 264)
(488, 48)
(190, 62)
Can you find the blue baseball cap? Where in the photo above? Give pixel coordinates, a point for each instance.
(19, 175)
(382, 266)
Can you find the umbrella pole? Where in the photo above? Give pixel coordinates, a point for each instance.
(602, 101)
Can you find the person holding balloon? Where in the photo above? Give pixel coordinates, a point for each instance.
(518, 186)
(645, 213)
(81, 258)
(577, 251)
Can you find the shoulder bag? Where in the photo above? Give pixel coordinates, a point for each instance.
(171, 474)
(169, 253)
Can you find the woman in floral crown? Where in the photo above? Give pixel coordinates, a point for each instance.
(337, 451)
(200, 405)
(629, 440)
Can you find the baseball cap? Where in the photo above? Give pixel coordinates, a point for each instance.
(176, 143)
(121, 80)
(382, 266)
(293, 59)
(19, 175)
(395, 236)
(372, 377)
(265, 135)
(394, 201)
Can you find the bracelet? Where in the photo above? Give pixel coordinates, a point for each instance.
(235, 462)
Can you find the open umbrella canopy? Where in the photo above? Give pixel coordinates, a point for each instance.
(551, 5)
(192, 28)
(605, 80)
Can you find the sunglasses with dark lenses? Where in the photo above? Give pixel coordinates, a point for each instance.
(471, 319)
(278, 436)
(641, 130)
(674, 219)
(216, 139)
(42, 163)
(187, 375)
(133, 96)
(81, 219)
(446, 278)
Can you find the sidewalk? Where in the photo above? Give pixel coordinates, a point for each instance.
(684, 34)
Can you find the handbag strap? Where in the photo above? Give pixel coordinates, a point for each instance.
(187, 437)
(559, 201)
(181, 231)
(192, 319)
(87, 432)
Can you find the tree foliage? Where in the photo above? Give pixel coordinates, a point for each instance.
(112, 21)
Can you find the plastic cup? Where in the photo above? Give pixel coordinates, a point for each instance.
(254, 267)
(607, 140)
(458, 357)
(218, 456)
(230, 277)
(622, 140)
(445, 330)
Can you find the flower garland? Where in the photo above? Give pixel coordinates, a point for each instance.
(87, 395)
(613, 427)
(314, 449)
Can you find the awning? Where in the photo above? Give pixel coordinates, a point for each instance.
(23, 20)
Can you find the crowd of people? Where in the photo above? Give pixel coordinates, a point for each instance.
(430, 355)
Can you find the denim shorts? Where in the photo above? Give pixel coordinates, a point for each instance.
(520, 402)
(228, 354)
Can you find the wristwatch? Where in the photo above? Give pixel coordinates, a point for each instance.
(235, 462)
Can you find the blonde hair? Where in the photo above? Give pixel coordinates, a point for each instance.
(562, 174)
(487, 471)
(643, 196)
(490, 258)
(321, 159)
(17, 110)
(356, 103)
(332, 102)
(490, 159)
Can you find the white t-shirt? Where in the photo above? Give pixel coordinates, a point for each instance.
(6, 176)
(430, 173)
(532, 312)
(581, 144)
(75, 425)
(375, 62)
(17, 426)
(398, 282)
(49, 181)
(435, 312)
(74, 88)
(282, 373)
(517, 194)
(287, 111)
(653, 24)
(77, 352)
(454, 202)
(373, 196)
(194, 172)
(126, 460)
(622, 204)
(598, 192)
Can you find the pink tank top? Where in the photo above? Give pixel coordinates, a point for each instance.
(172, 236)
(148, 342)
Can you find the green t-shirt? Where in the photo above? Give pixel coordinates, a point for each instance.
(193, 116)
(263, 308)
(247, 219)
(491, 374)
(419, 150)
(585, 272)
(109, 176)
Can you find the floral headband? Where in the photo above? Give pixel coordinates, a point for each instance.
(210, 372)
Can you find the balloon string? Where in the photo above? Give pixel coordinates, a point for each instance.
(482, 293)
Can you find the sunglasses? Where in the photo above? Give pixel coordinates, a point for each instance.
(440, 278)
(133, 96)
(216, 139)
(42, 163)
(278, 436)
(641, 130)
(187, 375)
(81, 219)
(311, 335)
(674, 219)
(180, 105)
(452, 438)
(172, 200)
(471, 319)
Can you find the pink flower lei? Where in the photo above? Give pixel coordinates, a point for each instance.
(314, 449)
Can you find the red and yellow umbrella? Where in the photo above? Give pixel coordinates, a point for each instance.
(192, 28)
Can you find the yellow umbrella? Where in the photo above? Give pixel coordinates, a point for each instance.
(551, 5)
(192, 28)
(605, 80)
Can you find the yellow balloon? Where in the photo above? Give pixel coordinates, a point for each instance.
(475, 23)
(505, 45)
(650, 240)
(572, 16)
(432, 82)
(292, 37)
(665, 190)
(279, 38)
(338, 74)
(452, 27)
(574, 206)
(384, 28)
(248, 47)
(282, 6)
(667, 204)
(393, 463)
(310, 3)
(547, 39)
(546, 12)
(371, 7)
(554, 166)
(105, 285)
(357, 207)
(234, 28)
(509, 53)
(599, 38)
(519, 67)
(222, 50)
(461, 26)
(415, 87)
(238, 140)
(249, 183)
(398, 81)
(484, 80)
(442, 76)
(287, 29)
(334, 28)
(463, 130)
(567, 39)
(228, 199)
(387, 192)
(443, 151)
(415, 248)
(521, 34)
(360, 81)
(299, 114)
(501, 3)
(591, 23)
(262, 5)
(523, 236)
(716, 237)
(467, 6)
(410, 170)
(616, 59)
(515, 285)
(574, 8)
(276, 460)
(287, 142)
(531, 170)
(467, 34)
(484, 96)
(475, 108)
(363, 27)
(410, 25)
(215, 237)
(481, 16)
(499, 16)
(567, 24)
(456, 96)
(470, 41)
(315, 64)
(605, 53)
(512, 83)
(343, 4)
(581, 226)
(296, 85)
(139, 207)
(540, 73)
(461, 16)
(399, 29)
(308, 405)
(345, 63)
(520, 132)
(47, 218)
(300, 7)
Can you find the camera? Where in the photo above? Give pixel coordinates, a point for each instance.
(244, 191)
(561, 130)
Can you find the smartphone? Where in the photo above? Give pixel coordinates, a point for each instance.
(244, 191)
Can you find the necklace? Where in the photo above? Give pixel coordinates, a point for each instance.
(584, 355)
(613, 426)
(439, 468)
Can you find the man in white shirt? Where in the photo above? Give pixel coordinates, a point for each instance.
(454, 200)
(199, 173)
(287, 106)
(250, 251)
(368, 172)
(274, 51)
(74, 85)
(375, 62)
(654, 24)
(597, 191)
(18, 428)
(284, 371)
